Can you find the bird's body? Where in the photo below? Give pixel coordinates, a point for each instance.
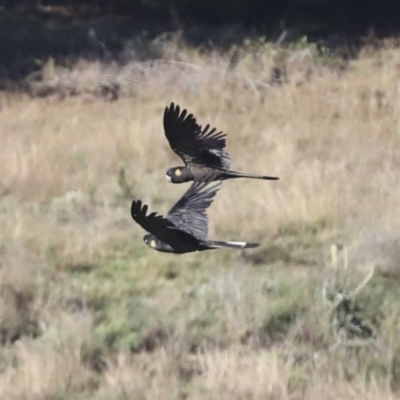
(184, 229)
(201, 149)
(199, 173)
(193, 244)
(188, 244)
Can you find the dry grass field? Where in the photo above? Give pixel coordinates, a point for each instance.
(87, 311)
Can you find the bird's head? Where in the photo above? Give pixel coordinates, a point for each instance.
(177, 175)
(156, 244)
(151, 241)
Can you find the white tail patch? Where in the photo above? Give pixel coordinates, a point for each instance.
(239, 244)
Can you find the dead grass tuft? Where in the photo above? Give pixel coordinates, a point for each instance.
(349, 390)
(22, 294)
(262, 374)
(380, 247)
(51, 365)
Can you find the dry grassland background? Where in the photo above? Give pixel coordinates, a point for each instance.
(87, 311)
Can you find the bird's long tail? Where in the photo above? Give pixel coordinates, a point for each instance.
(232, 245)
(233, 174)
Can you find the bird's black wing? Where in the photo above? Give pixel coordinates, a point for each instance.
(192, 143)
(189, 213)
(164, 229)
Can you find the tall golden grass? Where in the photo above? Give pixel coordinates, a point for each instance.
(333, 138)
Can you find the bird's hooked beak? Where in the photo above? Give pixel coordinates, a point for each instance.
(168, 178)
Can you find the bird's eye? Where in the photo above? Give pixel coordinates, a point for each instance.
(178, 172)
(153, 243)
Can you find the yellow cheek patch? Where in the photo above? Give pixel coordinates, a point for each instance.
(178, 172)
(153, 243)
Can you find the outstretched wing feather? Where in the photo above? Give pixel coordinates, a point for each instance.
(189, 213)
(192, 143)
(161, 227)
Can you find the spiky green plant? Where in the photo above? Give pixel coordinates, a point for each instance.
(349, 327)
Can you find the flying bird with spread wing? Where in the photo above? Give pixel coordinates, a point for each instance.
(184, 229)
(201, 150)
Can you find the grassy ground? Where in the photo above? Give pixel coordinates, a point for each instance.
(87, 311)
